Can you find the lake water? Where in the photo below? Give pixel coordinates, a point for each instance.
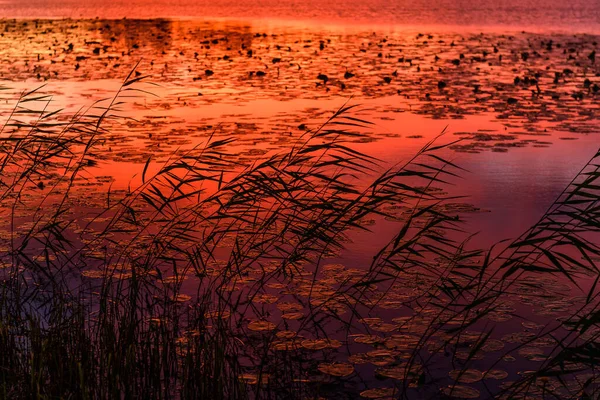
(526, 105)
(515, 147)
(576, 15)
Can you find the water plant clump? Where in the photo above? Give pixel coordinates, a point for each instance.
(212, 277)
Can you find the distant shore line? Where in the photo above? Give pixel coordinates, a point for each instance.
(333, 25)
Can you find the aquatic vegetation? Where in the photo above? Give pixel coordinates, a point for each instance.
(214, 276)
(447, 75)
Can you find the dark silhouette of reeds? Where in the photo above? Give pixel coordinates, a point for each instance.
(122, 331)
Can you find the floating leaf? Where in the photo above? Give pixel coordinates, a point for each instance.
(337, 369)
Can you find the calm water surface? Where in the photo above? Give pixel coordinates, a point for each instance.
(577, 15)
(524, 142)
(519, 162)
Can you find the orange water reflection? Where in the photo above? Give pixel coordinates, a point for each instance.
(208, 84)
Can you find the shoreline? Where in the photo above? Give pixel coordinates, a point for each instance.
(347, 26)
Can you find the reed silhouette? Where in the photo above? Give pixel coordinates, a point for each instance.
(163, 291)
